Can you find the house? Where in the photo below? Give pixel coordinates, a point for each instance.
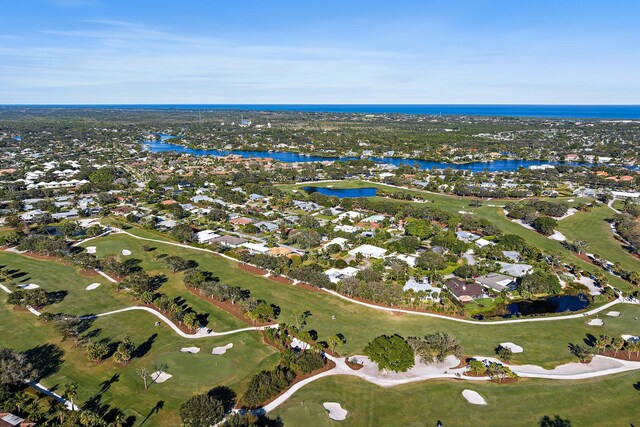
(255, 248)
(280, 251)
(10, 420)
(515, 270)
(73, 213)
(368, 251)
(466, 237)
(166, 223)
(335, 274)
(462, 291)
(241, 221)
(31, 215)
(409, 259)
(349, 214)
(229, 241)
(346, 228)
(423, 286)
(306, 206)
(206, 236)
(267, 226)
(340, 241)
(496, 281)
(512, 255)
(483, 242)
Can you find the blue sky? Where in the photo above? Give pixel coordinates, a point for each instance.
(330, 51)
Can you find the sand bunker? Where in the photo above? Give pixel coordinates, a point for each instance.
(473, 397)
(558, 236)
(613, 314)
(126, 252)
(192, 350)
(221, 350)
(160, 377)
(92, 286)
(336, 412)
(91, 249)
(630, 337)
(513, 347)
(29, 287)
(596, 322)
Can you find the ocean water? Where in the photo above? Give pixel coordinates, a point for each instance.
(612, 112)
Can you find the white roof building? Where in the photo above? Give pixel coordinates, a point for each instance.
(256, 248)
(205, 236)
(340, 241)
(368, 251)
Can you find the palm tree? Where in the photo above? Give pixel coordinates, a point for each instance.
(71, 393)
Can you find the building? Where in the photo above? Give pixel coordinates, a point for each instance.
(340, 241)
(463, 291)
(368, 251)
(256, 248)
(336, 274)
(229, 241)
(423, 286)
(515, 270)
(496, 281)
(206, 236)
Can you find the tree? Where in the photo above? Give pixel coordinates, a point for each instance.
(14, 367)
(191, 321)
(547, 421)
(581, 352)
(97, 351)
(201, 410)
(504, 353)
(391, 352)
(579, 246)
(71, 393)
(335, 341)
(184, 233)
(436, 347)
(419, 228)
(545, 225)
(143, 373)
(124, 351)
(616, 344)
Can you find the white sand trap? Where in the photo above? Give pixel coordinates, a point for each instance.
(192, 350)
(513, 347)
(29, 287)
(91, 249)
(126, 252)
(613, 314)
(336, 412)
(92, 286)
(221, 350)
(596, 322)
(160, 377)
(558, 236)
(473, 397)
(630, 337)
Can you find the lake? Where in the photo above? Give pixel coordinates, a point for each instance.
(343, 192)
(288, 157)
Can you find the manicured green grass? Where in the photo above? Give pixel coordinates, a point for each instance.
(545, 342)
(218, 319)
(192, 373)
(609, 401)
(52, 275)
(593, 228)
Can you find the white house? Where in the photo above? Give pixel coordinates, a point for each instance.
(368, 251)
(205, 236)
(340, 241)
(256, 248)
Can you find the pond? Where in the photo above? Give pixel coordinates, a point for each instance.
(557, 304)
(343, 192)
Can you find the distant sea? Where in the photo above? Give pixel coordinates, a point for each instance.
(613, 112)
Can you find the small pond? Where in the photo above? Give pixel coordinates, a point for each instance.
(557, 304)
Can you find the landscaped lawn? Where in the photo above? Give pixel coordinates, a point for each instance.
(192, 373)
(593, 228)
(545, 343)
(53, 275)
(608, 401)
